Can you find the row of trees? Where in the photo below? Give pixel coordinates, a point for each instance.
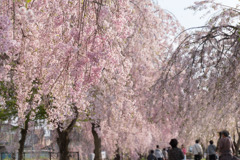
(106, 68)
(201, 78)
(80, 61)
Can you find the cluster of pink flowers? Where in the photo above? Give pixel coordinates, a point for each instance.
(5, 39)
(105, 60)
(24, 14)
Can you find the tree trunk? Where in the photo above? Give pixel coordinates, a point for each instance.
(97, 143)
(13, 156)
(63, 142)
(117, 156)
(237, 145)
(22, 140)
(63, 137)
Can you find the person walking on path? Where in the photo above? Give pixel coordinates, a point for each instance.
(165, 154)
(158, 153)
(151, 155)
(225, 146)
(211, 151)
(175, 153)
(184, 152)
(197, 150)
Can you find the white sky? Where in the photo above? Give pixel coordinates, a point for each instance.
(187, 17)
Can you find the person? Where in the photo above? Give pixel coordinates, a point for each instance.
(151, 155)
(158, 153)
(175, 153)
(225, 146)
(165, 154)
(211, 151)
(184, 151)
(197, 150)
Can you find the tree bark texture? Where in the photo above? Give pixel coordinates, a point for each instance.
(22, 140)
(97, 143)
(63, 142)
(117, 156)
(63, 139)
(237, 144)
